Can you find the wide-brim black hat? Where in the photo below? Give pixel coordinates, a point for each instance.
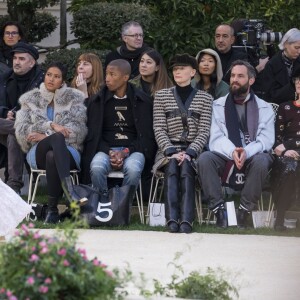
(22, 47)
(183, 60)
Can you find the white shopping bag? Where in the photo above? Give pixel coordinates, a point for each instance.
(231, 215)
(157, 214)
(263, 218)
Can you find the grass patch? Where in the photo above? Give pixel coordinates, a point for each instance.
(135, 224)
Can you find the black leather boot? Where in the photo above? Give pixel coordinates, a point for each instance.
(185, 227)
(187, 208)
(242, 218)
(71, 195)
(171, 195)
(173, 226)
(221, 215)
(52, 216)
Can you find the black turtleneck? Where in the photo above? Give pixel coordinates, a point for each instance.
(184, 92)
(17, 85)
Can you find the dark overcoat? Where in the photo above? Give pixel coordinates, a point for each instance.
(277, 84)
(142, 109)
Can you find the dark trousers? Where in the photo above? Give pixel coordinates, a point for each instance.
(15, 156)
(211, 167)
(285, 180)
(179, 191)
(53, 156)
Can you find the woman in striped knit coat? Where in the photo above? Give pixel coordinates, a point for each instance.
(181, 117)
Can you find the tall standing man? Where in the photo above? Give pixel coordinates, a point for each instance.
(132, 47)
(224, 40)
(241, 137)
(25, 75)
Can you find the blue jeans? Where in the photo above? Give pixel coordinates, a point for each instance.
(132, 168)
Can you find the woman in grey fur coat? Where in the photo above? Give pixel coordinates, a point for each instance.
(50, 128)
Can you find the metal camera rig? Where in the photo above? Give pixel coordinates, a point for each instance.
(252, 36)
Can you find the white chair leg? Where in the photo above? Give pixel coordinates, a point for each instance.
(198, 206)
(35, 186)
(150, 195)
(30, 188)
(139, 199)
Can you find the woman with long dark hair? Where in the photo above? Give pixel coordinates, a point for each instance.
(50, 128)
(153, 73)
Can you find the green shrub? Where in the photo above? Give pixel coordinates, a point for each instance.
(99, 25)
(211, 286)
(44, 24)
(69, 57)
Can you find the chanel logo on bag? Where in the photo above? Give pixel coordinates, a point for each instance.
(240, 178)
(102, 209)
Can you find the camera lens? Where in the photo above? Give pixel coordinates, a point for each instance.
(271, 37)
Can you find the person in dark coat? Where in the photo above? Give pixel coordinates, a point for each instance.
(224, 39)
(11, 33)
(25, 76)
(132, 47)
(286, 168)
(120, 130)
(281, 68)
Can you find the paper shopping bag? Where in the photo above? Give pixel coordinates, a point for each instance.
(231, 215)
(157, 214)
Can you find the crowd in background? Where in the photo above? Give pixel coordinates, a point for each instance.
(208, 124)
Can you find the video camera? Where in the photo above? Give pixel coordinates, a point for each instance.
(252, 35)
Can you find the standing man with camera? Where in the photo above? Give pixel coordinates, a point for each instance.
(24, 76)
(224, 40)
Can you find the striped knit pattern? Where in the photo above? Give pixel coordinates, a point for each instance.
(167, 130)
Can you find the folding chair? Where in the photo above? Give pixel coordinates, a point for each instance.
(158, 178)
(139, 196)
(39, 172)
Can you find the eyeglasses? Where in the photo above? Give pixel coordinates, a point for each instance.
(12, 33)
(137, 35)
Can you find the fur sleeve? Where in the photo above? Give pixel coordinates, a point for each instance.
(22, 128)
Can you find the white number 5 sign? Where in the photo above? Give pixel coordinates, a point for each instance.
(102, 207)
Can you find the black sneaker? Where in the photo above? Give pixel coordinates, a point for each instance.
(221, 215)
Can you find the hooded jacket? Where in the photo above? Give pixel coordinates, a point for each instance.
(222, 87)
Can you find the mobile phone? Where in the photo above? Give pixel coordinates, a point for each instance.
(14, 110)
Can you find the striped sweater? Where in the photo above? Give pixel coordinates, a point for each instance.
(168, 126)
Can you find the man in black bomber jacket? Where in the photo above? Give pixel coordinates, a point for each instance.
(120, 130)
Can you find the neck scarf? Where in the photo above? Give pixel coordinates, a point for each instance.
(288, 63)
(231, 176)
(128, 54)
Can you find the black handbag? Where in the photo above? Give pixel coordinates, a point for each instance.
(112, 209)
